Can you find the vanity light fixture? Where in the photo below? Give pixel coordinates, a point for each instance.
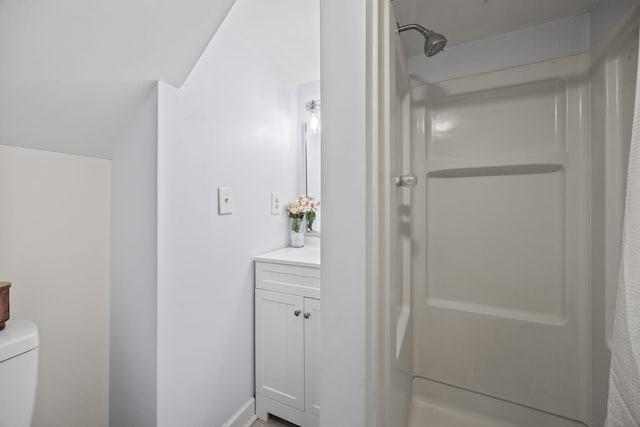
(313, 107)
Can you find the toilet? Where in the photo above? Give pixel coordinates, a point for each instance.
(18, 372)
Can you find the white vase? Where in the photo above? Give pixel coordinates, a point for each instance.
(297, 239)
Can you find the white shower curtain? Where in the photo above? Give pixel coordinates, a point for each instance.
(624, 377)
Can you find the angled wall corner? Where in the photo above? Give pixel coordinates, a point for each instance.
(133, 320)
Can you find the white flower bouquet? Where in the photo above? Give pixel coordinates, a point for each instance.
(303, 206)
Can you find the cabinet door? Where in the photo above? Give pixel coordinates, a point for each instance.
(280, 347)
(312, 355)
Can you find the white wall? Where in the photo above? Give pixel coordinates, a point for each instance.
(344, 211)
(285, 31)
(232, 124)
(54, 247)
(133, 272)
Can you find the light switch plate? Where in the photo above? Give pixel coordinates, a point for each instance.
(225, 200)
(276, 204)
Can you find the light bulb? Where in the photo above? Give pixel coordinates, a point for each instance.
(314, 123)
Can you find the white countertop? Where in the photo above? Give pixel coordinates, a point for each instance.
(307, 256)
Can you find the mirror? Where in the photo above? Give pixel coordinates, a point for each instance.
(310, 136)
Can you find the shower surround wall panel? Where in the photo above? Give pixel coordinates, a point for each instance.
(613, 79)
(394, 351)
(501, 286)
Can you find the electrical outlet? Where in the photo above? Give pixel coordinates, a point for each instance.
(276, 204)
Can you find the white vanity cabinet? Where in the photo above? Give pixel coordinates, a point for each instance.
(287, 335)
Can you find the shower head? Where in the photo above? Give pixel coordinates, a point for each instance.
(433, 42)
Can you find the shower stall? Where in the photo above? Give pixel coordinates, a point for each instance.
(498, 266)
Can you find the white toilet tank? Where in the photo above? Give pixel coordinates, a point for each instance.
(18, 372)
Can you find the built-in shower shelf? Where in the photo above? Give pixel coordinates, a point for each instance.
(490, 167)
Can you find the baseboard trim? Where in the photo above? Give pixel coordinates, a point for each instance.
(244, 417)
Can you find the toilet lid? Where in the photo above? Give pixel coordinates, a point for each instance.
(18, 336)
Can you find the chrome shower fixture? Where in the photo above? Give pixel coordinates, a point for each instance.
(433, 42)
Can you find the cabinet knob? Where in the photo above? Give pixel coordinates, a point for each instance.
(307, 315)
(297, 313)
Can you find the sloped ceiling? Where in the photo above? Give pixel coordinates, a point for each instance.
(463, 21)
(73, 72)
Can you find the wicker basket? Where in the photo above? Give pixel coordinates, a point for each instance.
(4, 303)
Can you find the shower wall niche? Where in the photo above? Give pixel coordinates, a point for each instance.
(501, 225)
